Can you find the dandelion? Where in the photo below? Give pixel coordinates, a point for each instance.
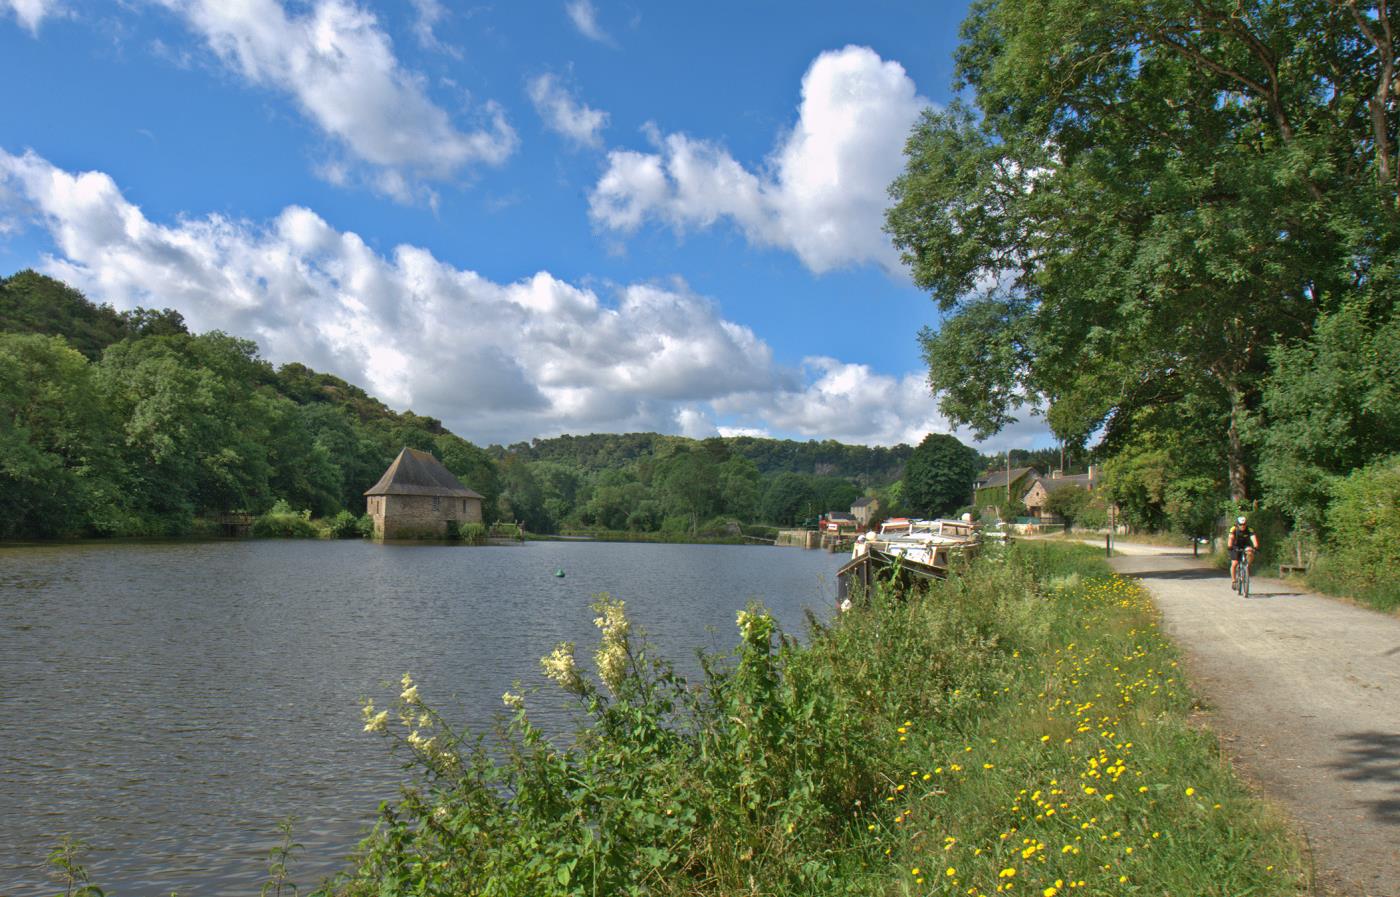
(1190, 791)
(950, 872)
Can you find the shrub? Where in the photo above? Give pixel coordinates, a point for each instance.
(281, 522)
(1363, 543)
(343, 526)
(471, 533)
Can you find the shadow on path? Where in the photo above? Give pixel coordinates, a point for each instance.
(1374, 757)
(1189, 573)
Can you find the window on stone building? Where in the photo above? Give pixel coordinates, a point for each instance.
(437, 503)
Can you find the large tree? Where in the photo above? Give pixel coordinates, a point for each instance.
(1148, 198)
(939, 477)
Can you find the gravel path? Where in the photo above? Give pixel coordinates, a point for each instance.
(1304, 692)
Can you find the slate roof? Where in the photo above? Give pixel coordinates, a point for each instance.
(998, 477)
(418, 473)
(1081, 480)
(863, 501)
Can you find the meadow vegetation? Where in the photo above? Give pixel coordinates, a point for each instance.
(1021, 728)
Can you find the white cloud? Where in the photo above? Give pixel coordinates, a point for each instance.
(497, 362)
(30, 13)
(564, 114)
(428, 14)
(822, 192)
(339, 67)
(585, 19)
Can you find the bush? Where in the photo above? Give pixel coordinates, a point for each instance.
(759, 531)
(343, 526)
(281, 522)
(1363, 542)
(471, 533)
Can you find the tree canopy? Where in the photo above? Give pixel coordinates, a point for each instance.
(1145, 202)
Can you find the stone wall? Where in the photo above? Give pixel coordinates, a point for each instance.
(415, 517)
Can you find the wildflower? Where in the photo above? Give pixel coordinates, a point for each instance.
(1190, 791)
(914, 871)
(513, 701)
(950, 871)
(376, 722)
(561, 668)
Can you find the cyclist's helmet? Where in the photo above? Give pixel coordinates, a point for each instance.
(1240, 521)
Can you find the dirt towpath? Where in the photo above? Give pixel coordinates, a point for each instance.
(1304, 692)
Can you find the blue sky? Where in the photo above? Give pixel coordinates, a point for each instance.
(524, 218)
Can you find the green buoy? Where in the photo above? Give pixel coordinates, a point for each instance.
(559, 573)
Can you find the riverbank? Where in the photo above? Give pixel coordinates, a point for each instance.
(1022, 727)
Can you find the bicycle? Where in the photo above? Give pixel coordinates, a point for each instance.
(1240, 582)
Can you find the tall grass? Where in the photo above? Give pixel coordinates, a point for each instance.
(1021, 727)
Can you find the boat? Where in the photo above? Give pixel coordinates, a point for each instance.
(906, 548)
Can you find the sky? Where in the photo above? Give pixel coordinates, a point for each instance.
(524, 219)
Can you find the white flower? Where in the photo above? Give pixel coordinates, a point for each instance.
(376, 722)
(560, 667)
(513, 701)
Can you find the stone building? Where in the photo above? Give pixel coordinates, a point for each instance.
(865, 510)
(419, 498)
(1042, 487)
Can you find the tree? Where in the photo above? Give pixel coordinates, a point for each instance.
(787, 499)
(1332, 405)
(739, 485)
(938, 479)
(687, 482)
(1152, 198)
(56, 456)
(1068, 503)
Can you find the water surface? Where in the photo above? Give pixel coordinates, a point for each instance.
(170, 703)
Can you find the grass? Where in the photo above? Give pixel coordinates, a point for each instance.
(1020, 728)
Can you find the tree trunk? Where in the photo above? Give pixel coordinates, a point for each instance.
(1239, 490)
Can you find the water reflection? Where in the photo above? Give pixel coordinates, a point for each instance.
(170, 703)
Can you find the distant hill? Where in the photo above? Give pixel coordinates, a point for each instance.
(126, 423)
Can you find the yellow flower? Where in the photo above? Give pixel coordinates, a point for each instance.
(1190, 791)
(914, 871)
(950, 872)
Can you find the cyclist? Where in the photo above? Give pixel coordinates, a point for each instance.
(1242, 544)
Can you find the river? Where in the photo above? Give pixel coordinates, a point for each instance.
(169, 703)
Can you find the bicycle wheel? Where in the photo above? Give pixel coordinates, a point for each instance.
(1244, 582)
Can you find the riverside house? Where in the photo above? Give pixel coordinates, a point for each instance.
(998, 487)
(1043, 487)
(418, 498)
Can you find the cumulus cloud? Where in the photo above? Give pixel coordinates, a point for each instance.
(30, 13)
(339, 67)
(497, 362)
(585, 19)
(820, 194)
(564, 114)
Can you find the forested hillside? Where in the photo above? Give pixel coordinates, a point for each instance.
(126, 423)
